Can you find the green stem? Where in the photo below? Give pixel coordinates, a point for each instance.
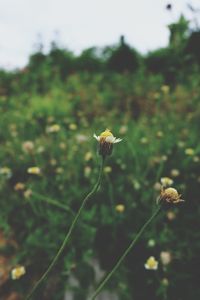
(53, 202)
(66, 239)
(107, 277)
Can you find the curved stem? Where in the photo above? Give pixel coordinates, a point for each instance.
(107, 277)
(66, 239)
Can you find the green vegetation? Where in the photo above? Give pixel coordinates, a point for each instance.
(49, 113)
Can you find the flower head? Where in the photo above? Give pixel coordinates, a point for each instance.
(19, 186)
(120, 208)
(27, 193)
(165, 257)
(106, 141)
(189, 151)
(17, 272)
(34, 170)
(151, 263)
(28, 146)
(6, 172)
(165, 89)
(169, 196)
(166, 181)
(72, 126)
(53, 128)
(175, 172)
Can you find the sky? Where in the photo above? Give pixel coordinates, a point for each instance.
(80, 24)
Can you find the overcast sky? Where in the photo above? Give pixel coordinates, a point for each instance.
(79, 24)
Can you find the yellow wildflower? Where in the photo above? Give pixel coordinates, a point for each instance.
(151, 263)
(5, 171)
(18, 272)
(107, 169)
(34, 170)
(175, 172)
(165, 89)
(120, 208)
(189, 151)
(53, 128)
(72, 126)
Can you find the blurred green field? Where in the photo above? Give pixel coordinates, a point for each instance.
(54, 131)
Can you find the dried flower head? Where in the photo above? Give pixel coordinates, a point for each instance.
(28, 146)
(151, 263)
(19, 186)
(18, 272)
(169, 196)
(106, 141)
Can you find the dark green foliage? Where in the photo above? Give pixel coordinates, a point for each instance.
(192, 48)
(123, 58)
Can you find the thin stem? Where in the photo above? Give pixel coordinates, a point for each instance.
(107, 277)
(53, 202)
(66, 239)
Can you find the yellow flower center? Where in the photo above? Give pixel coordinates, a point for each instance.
(106, 133)
(120, 208)
(171, 193)
(151, 262)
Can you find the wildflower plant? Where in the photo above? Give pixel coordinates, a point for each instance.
(106, 141)
(151, 263)
(18, 272)
(169, 195)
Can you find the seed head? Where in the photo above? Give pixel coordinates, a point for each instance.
(169, 196)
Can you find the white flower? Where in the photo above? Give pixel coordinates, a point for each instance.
(53, 128)
(34, 170)
(17, 272)
(151, 263)
(166, 181)
(106, 141)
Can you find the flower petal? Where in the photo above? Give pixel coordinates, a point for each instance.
(117, 140)
(96, 137)
(110, 139)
